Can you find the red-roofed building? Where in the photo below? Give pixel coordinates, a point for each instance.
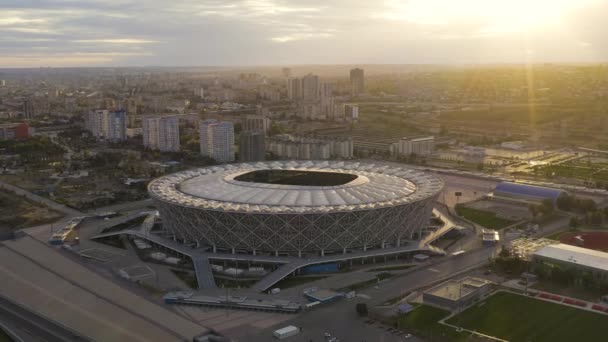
(14, 131)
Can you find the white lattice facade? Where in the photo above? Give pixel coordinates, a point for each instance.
(379, 206)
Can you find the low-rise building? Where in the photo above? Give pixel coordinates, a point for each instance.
(14, 131)
(420, 146)
(454, 294)
(583, 260)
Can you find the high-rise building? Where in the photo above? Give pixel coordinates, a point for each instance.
(161, 133)
(117, 126)
(256, 123)
(108, 125)
(252, 146)
(217, 140)
(286, 72)
(294, 88)
(357, 81)
(28, 108)
(351, 113)
(310, 87)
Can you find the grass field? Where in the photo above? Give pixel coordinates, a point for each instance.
(519, 318)
(423, 322)
(18, 212)
(484, 218)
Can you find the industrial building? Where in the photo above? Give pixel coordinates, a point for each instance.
(525, 193)
(574, 257)
(454, 294)
(295, 208)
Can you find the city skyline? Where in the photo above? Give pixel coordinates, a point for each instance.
(129, 33)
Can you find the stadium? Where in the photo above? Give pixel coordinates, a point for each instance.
(295, 208)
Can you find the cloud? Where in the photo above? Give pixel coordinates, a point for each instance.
(116, 41)
(221, 32)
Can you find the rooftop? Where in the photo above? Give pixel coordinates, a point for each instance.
(528, 190)
(295, 187)
(457, 289)
(577, 255)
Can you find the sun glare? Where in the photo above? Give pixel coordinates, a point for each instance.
(498, 15)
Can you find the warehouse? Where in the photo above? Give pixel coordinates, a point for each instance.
(526, 193)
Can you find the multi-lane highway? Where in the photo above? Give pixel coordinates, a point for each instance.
(28, 326)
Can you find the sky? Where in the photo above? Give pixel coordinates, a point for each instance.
(63, 33)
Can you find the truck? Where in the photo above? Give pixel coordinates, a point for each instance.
(286, 332)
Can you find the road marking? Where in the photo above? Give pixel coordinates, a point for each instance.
(433, 270)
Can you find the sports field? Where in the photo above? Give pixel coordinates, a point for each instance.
(485, 218)
(519, 318)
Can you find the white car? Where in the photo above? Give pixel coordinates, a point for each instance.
(407, 336)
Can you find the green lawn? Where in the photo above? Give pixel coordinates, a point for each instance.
(485, 218)
(519, 318)
(423, 322)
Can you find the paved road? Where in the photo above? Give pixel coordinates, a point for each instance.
(30, 327)
(341, 320)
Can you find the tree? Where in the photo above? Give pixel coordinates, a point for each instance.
(362, 309)
(574, 222)
(546, 207)
(533, 210)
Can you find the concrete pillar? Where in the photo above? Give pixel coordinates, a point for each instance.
(233, 251)
(343, 250)
(276, 253)
(214, 249)
(299, 254)
(253, 252)
(322, 252)
(399, 242)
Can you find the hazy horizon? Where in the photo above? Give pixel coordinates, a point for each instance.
(262, 33)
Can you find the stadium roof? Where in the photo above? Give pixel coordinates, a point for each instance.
(576, 255)
(216, 188)
(528, 190)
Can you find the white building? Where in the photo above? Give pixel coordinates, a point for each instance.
(421, 146)
(161, 133)
(107, 125)
(217, 140)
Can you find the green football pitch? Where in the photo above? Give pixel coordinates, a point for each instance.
(519, 318)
